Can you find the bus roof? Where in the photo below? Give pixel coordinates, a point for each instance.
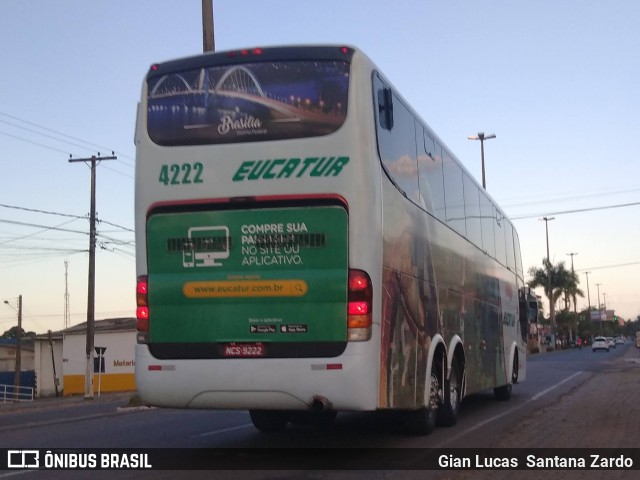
(256, 54)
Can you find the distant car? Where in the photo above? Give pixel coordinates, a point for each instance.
(620, 340)
(600, 343)
(611, 342)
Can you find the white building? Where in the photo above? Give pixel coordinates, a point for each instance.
(66, 354)
(48, 360)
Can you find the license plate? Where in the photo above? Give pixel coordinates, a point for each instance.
(244, 350)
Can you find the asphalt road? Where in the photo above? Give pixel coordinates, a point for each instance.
(565, 392)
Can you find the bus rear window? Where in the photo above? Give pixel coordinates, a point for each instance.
(248, 103)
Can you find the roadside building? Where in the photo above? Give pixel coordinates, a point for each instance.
(8, 355)
(48, 364)
(65, 353)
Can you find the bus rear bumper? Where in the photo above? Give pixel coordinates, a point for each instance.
(347, 383)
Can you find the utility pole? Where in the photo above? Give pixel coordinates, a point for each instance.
(18, 365)
(552, 316)
(91, 296)
(53, 362)
(66, 295)
(208, 37)
(573, 272)
(18, 348)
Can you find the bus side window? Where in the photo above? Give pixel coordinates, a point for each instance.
(516, 246)
(472, 211)
(430, 172)
(397, 147)
(488, 215)
(511, 261)
(453, 194)
(501, 250)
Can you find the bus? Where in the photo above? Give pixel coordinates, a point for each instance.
(307, 245)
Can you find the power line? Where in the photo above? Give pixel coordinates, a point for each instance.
(116, 225)
(46, 249)
(19, 254)
(602, 267)
(58, 133)
(46, 212)
(45, 135)
(46, 227)
(535, 200)
(580, 210)
(19, 260)
(34, 143)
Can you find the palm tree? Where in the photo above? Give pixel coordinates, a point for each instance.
(571, 290)
(555, 280)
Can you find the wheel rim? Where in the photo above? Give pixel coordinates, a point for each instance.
(454, 389)
(434, 393)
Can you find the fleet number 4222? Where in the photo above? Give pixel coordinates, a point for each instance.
(181, 174)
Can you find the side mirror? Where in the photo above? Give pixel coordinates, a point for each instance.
(385, 108)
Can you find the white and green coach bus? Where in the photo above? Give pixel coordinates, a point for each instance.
(306, 243)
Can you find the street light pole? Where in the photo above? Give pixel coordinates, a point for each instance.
(546, 226)
(208, 38)
(588, 296)
(599, 308)
(482, 137)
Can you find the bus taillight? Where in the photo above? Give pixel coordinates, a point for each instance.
(359, 318)
(245, 52)
(142, 310)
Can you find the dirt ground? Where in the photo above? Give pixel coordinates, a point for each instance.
(602, 412)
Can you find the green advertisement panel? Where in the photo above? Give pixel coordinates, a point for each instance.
(239, 280)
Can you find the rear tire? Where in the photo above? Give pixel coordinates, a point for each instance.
(423, 421)
(448, 411)
(269, 420)
(503, 393)
(420, 422)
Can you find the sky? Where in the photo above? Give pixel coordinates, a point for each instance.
(557, 82)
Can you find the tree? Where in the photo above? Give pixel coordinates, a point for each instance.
(555, 280)
(13, 333)
(571, 289)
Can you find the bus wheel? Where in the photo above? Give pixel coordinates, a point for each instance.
(452, 396)
(269, 420)
(503, 393)
(419, 422)
(423, 420)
